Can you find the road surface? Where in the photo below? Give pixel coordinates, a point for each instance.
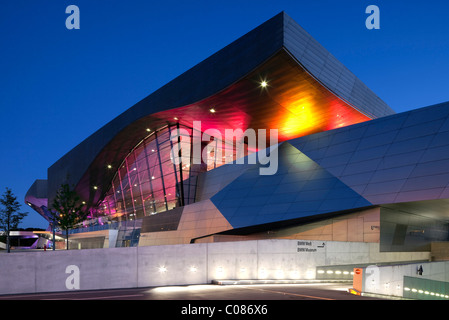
(312, 291)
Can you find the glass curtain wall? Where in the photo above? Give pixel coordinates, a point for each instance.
(149, 181)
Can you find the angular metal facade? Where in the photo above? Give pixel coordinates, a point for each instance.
(400, 158)
(399, 164)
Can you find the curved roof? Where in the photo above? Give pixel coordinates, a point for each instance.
(308, 91)
(36, 197)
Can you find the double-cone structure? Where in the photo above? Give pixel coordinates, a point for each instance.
(347, 167)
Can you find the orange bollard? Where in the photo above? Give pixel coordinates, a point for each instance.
(357, 282)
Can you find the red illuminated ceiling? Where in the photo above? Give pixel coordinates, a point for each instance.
(293, 102)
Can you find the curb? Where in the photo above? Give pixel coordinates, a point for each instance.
(248, 282)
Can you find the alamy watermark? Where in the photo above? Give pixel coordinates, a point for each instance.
(73, 20)
(373, 20)
(224, 147)
(73, 280)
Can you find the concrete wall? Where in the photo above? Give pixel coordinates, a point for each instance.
(389, 280)
(198, 219)
(439, 250)
(361, 226)
(63, 270)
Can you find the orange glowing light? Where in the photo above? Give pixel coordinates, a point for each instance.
(300, 118)
(354, 292)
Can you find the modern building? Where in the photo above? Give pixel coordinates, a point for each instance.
(30, 239)
(347, 167)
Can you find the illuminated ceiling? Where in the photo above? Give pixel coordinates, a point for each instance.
(292, 101)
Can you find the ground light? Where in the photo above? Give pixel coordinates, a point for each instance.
(436, 294)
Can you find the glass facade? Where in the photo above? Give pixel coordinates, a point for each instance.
(150, 180)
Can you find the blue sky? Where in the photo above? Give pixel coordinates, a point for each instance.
(58, 86)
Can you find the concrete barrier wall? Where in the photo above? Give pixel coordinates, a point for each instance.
(389, 280)
(92, 269)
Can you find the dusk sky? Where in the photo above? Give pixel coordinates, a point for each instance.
(58, 86)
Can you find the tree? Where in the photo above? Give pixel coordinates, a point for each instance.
(67, 210)
(10, 217)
